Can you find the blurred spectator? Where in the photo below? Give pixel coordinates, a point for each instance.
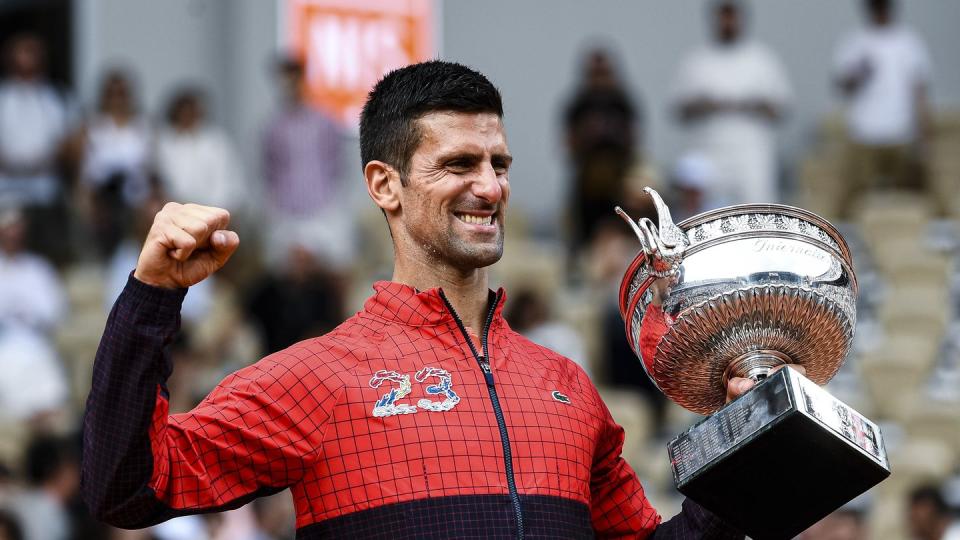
(731, 94)
(530, 315)
(302, 168)
(928, 515)
(116, 160)
(33, 124)
(302, 300)
(196, 161)
(884, 70)
(33, 386)
(611, 252)
(31, 295)
(600, 124)
(53, 477)
(840, 525)
(9, 527)
(32, 303)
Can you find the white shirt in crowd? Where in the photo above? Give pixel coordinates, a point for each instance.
(952, 532)
(33, 122)
(33, 381)
(32, 302)
(883, 111)
(201, 167)
(42, 516)
(115, 149)
(30, 292)
(742, 147)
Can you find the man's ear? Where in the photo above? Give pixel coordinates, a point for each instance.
(383, 185)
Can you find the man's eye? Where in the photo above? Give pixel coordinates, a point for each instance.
(458, 164)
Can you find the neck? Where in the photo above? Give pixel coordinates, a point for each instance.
(940, 529)
(465, 290)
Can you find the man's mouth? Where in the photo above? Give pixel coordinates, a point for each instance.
(473, 219)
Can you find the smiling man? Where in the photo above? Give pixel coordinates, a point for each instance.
(424, 415)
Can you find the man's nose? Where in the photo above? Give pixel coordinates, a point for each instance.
(487, 186)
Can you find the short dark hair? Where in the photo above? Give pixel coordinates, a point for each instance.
(183, 96)
(932, 495)
(879, 7)
(388, 128)
(735, 6)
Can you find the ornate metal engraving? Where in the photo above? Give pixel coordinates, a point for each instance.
(772, 281)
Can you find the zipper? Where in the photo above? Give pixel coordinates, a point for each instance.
(484, 362)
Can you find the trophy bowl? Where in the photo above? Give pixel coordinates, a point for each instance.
(735, 292)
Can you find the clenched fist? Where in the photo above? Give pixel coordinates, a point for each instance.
(186, 243)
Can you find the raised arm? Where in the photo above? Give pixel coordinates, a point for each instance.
(141, 466)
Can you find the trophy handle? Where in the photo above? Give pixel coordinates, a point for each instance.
(664, 245)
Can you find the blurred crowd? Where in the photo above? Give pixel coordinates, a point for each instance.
(81, 182)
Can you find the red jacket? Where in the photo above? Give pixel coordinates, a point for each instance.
(393, 424)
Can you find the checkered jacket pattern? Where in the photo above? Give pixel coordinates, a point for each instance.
(393, 425)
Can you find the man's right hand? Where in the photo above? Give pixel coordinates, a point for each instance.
(186, 243)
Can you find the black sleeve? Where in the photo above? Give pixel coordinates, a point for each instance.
(142, 465)
(129, 376)
(695, 522)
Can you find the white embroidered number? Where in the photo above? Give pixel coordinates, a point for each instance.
(444, 388)
(387, 404)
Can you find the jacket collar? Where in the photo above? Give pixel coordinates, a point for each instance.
(403, 304)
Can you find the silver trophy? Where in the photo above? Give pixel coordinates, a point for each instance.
(736, 292)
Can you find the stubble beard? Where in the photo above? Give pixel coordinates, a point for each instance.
(464, 255)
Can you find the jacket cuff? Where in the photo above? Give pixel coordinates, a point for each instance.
(151, 302)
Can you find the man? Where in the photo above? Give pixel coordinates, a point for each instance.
(195, 158)
(424, 415)
(32, 304)
(883, 70)
(302, 164)
(732, 94)
(33, 124)
(601, 130)
(42, 508)
(929, 516)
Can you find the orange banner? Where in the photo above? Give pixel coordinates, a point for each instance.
(347, 45)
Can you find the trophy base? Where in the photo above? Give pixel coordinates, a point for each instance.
(779, 458)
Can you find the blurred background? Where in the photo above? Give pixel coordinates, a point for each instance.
(109, 108)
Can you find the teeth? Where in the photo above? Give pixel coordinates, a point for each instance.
(475, 220)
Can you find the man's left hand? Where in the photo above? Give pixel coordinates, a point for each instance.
(738, 386)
